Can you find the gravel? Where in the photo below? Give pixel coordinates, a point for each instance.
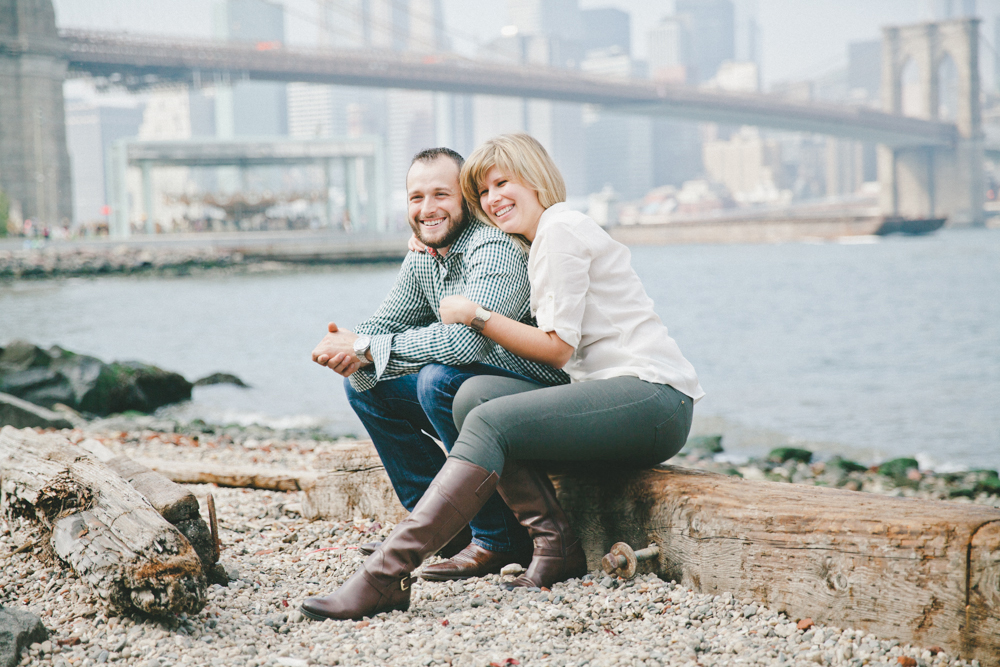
(275, 559)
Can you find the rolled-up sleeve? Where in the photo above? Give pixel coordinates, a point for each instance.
(559, 284)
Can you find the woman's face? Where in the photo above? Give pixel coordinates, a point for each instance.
(510, 205)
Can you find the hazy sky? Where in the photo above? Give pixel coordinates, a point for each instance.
(799, 38)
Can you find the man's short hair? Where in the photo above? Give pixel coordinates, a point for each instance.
(431, 154)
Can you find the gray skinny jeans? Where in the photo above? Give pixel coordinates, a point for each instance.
(623, 420)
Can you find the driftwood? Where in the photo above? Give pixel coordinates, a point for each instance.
(923, 572)
(174, 503)
(247, 477)
(99, 525)
(349, 481)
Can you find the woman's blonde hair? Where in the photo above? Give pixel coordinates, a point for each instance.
(519, 157)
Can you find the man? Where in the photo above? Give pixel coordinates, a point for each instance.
(403, 366)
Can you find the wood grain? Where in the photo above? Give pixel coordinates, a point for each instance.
(105, 530)
(249, 477)
(922, 572)
(893, 566)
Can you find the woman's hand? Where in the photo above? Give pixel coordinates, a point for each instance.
(414, 244)
(457, 309)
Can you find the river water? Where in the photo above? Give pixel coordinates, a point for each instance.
(872, 348)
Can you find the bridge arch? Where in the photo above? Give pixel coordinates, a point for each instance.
(910, 89)
(931, 71)
(946, 73)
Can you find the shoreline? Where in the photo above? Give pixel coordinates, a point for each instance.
(257, 252)
(787, 462)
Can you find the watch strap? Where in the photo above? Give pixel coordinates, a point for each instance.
(361, 352)
(479, 321)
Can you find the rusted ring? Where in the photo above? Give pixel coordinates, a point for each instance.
(623, 556)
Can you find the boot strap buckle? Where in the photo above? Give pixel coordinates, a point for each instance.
(405, 583)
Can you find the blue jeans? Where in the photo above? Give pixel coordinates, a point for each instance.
(400, 413)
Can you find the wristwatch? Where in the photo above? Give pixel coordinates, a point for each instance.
(481, 318)
(361, 347)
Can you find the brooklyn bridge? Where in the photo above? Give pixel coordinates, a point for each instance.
(927, 167)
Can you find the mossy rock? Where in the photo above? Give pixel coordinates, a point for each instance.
(898, 468)
(845, 465)
(130, 385)
(785, 454)
(21, 355)
(703, 446)
(984, 481)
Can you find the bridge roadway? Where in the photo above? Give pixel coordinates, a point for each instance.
(143, 61)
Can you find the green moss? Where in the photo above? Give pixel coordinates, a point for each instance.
(783, 454)
(898, 467)
(846, 465)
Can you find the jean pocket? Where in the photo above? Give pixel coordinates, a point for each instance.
(672, 433)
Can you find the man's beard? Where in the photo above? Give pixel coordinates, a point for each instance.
(456, 230)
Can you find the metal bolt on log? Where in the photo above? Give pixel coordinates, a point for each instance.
(623, 560)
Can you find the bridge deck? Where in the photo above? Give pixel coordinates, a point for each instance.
(143, 61)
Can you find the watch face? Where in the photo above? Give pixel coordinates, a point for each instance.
(361, 344)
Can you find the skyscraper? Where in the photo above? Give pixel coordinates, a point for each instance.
(606, 28)
(251, 108)
(548, 32)
(712, 28)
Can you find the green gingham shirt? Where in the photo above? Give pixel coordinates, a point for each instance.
(407, 333)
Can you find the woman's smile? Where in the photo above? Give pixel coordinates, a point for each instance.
(511, 205)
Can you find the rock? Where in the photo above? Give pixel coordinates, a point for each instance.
(22, 355)
(220, 378)
(22, 414)
(18, 629)
(703, 446)
(131, 385)
(783, 454)
(845, 465)
(804, 624)
(84, 383)
(897, 468)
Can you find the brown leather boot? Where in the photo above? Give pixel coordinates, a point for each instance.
(453, 547)
(558, 554)
(455, 495)
(473, 561)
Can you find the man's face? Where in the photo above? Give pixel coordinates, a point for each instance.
(434, 201)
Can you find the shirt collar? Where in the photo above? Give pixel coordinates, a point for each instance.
(460, 244)
(547, 214)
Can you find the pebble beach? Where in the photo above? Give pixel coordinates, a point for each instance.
(274, 559)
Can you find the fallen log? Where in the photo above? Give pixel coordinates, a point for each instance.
(923, 572)
(174, 503)
(247, 477)
(107, 532)
(349, 481)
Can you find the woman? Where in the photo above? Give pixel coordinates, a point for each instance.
(630, 400)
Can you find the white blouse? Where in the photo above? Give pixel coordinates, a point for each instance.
(583, 287)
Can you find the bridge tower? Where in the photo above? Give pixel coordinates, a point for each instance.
(34, 162)
(931, 71)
